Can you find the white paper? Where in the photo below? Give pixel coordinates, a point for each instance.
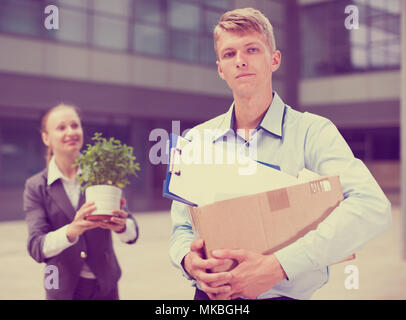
(202, 181)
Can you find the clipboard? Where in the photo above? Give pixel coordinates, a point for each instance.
(198, 182)
(173, 139)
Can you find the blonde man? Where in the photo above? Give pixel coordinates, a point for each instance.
(246, 60)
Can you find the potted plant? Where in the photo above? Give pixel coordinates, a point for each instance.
(103, 171)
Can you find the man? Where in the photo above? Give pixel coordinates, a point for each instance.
(246, 59)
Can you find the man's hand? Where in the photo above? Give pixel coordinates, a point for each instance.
(254, 274)
(196, 265)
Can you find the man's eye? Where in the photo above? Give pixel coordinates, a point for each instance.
(228, 54)
(252, 50)
(60, 128)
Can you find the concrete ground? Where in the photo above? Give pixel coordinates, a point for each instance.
(149, 275)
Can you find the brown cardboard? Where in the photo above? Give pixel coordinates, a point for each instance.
(268, 221)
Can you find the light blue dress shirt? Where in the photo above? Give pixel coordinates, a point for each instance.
(294, 140)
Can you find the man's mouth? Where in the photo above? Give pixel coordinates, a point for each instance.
(243, 75)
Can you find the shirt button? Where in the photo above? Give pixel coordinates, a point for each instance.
(83, 255)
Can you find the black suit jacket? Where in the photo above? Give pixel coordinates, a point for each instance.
(48, 208)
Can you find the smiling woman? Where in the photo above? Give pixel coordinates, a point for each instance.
(58, 233)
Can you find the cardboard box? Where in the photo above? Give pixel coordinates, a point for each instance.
(268, 221)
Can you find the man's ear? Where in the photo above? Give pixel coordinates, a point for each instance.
(276, 60)
(45, 138)
(219, 70)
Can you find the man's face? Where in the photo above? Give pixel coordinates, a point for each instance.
(246, 62)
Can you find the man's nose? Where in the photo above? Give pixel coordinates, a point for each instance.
(240, 61)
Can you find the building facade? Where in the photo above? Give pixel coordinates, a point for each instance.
(133, 66)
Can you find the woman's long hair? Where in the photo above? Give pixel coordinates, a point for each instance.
(49, 153)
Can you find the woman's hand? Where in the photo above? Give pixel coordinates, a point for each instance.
(79, 224)
(117, 223)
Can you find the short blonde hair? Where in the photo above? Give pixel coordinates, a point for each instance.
(243, 21)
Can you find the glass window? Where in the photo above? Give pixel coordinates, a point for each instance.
(378, 56)
(279, 35)
(21, 151)
(393, 6)
(110, 33)
(183, 16)
(211, 20)
(275, 12)
(359, 58)
(385, 5)
(360, 36)
(393, 51)
(149, 11)
(72, 26)
(142, 26)
(148, 39)
(21, 16)
(207, 53)
(385, 28)
(71, 3)
(184, 46)
(378, 35)
(118, 7)
(365, 48)
(223, 4)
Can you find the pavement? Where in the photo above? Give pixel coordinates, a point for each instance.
(149, 275)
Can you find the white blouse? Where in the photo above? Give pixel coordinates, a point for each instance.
(56, 241)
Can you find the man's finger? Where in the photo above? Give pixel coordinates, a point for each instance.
(219, 290)
(209, 263)
(197, 245)
(219, 283)
(211, 296)
(216, 279)
(236, 295)
(237, 254)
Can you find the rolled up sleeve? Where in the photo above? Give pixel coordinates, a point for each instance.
(364, 213)
(182, 235)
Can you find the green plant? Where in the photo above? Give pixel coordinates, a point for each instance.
(106, 162)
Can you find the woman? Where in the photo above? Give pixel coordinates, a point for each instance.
(58, 233)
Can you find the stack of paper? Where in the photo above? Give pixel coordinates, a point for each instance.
(203, 173)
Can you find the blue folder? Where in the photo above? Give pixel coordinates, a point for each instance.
(173, 139)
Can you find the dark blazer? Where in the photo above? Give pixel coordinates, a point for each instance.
(48, 208)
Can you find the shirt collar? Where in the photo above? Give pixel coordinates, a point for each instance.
(227, 124)
(54, 173)
(271, 122)
(273, 118)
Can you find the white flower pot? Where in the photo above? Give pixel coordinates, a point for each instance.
(106, 198)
